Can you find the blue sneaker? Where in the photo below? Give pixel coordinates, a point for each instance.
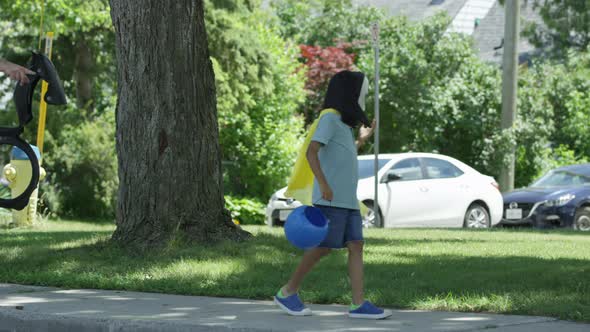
(292, 305)
(368, 311)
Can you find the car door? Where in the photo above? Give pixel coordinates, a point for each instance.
(401, 198)
(446, 192)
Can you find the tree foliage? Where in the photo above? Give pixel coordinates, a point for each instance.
(558, 94)
(83, 47)
(79, 141)
(565, 26)
(437, 96)
(322, 63)
(82, 169)
(429, 84)
(260, 87)
(325, 22)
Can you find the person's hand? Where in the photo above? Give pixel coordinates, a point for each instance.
(16, 72)
(365, 132)
(327, 193)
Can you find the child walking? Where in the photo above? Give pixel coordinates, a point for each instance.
(332, 157)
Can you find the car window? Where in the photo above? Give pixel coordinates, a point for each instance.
(408, 170)
(367, 167)
(440, 169)
(561, 178)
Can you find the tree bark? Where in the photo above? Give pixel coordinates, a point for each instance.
(170, 179)
(83, 74)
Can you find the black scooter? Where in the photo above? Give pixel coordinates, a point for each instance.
(23, 98)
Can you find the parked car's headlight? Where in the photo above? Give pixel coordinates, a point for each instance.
(562, 200)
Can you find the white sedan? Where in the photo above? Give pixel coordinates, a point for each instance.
(417, 190)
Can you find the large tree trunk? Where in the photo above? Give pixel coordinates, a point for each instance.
(83, 73)
(170, 181)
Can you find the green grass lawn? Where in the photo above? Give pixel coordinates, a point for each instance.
(503, 271)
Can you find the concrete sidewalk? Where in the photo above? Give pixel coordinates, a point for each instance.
(30, 308)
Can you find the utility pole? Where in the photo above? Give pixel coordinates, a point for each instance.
(375, 30)
(509, 83)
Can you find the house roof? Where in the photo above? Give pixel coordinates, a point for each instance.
(487, 35)
(415, 10)
(490, 32)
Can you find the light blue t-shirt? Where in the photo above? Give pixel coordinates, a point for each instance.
(338, 160)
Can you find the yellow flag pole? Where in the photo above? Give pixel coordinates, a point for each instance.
(43, 104)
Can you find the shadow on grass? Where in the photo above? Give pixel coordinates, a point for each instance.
(400, 278)
(40, 238)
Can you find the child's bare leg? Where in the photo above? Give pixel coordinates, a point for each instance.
(310, 258)
(355, 270)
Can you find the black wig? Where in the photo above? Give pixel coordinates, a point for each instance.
(343, 95)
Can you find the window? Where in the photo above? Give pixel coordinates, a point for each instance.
(367, 167)
(561, 179)
(408, 170)
(440, 169)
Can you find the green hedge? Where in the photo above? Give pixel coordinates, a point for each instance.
(81, 165)
(246, 211)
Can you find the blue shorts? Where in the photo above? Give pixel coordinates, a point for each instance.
(345, 225)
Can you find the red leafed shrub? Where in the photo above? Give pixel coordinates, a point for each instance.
(322, 63)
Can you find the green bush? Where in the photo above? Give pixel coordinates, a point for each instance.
(436, 95)
(246, 211)
(561, 156)
(259, 89)
(82, 169)
(324, 22)
(577, 124)
(553, 116)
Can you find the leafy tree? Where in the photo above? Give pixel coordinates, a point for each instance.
(437, 96)
(83, 50)
(569, 97)
(330, 34)
(418, 61)
(565, 26)
(325, 22)
(534, 126)
(562, 89)
(561, 156)
(322, 63)
(552, 121)
(82, 169)
(260, 87)
(79, 139)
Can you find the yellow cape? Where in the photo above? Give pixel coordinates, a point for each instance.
(300, 185)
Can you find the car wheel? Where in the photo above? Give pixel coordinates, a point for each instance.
(369, 217)
(582, 219)
(476, 217)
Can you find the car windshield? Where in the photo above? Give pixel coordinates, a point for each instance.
(367, 168)
(561, 179)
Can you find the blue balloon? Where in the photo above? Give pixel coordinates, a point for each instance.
(306, 227)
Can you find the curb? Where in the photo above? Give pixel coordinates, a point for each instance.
(13, 320)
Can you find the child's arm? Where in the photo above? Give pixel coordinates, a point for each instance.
(364, 134)
(314, 164)
(359, 143)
